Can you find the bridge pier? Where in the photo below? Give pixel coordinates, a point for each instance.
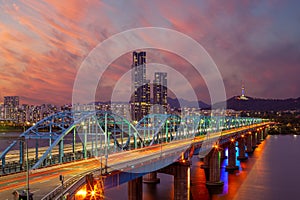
(254, 138)
(231, 157)
(205, 166)
(249, 148)
(182, 181)
(262, 134)
(135, 189)
(265, 132)
(223, 155)
(241, 145)
(258, 140)
(205, 162)
(151, 178)
(214, 181)
(181, 172)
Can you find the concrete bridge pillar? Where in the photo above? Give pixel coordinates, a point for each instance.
(181, 172)
(265, 132)
(205, 162)
(182, 181)
(151, 178)
(223, 155)
(258, 139)
(205, 166)
(254, 138)
(241, 145)
(249, 148)
(135, 189)
(214, 170)
(231, 156)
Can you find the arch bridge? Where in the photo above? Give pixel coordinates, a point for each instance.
(74, 135)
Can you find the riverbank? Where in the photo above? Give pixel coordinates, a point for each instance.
(4, 129)
(284, 129)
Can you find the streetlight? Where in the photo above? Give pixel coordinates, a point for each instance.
(27, 169)
(106, 142)
(61, 178)
(26, 124)
(27, 166)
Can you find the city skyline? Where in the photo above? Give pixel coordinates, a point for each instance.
(44, 43)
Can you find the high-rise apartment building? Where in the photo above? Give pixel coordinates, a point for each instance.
(10, 105)
(11, 101)
(140, 102)
(160, 92)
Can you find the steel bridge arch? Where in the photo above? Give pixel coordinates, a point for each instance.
(154, 123)
(96, 115)
(61, 124)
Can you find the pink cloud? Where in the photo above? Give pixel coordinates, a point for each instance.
(44, 42)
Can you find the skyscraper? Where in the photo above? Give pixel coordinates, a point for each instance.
(140, 103)
(160, 92)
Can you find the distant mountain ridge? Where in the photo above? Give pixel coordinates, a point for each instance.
(177, 103)
(258, 104)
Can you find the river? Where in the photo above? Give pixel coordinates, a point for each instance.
(272, 172)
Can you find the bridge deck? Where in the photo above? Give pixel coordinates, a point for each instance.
(44, 180)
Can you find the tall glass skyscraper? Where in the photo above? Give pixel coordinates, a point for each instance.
(160, 92)
(140, 103)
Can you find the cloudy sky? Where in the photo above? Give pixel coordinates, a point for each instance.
(43, 44)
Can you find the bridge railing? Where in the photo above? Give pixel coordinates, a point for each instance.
(73, 182)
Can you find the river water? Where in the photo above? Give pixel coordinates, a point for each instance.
(272, 172)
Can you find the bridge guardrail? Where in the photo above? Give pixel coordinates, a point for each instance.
(73, 187)
(60, 190)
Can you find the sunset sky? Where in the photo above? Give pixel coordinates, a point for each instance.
(43, 43)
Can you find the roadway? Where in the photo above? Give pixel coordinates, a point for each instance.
(43, 180)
